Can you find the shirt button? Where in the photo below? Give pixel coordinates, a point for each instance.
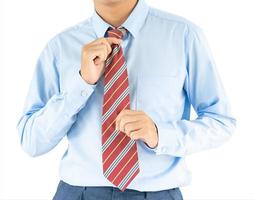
(84, 93)
(164, 149)
(54, 100)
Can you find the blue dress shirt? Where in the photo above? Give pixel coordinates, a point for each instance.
(170, 68)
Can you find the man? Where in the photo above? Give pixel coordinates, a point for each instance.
(120, 85)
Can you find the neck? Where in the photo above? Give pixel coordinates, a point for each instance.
(114, 13)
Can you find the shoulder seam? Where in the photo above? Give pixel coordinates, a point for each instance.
(189, 25)
(164, 18)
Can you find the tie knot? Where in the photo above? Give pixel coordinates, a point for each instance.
(116, 32)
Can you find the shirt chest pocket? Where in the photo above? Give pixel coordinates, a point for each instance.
(159, 96)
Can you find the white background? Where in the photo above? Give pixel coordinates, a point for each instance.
(223, 173)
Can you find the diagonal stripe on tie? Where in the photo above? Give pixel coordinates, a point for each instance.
(106, 127)
(119, 152)
(120, 79)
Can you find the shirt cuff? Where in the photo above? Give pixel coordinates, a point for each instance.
(77, 94)
(167, 139)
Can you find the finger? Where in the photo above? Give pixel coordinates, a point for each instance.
(102, 47)
(128, 119)
(136, 135)
(97, 61)
(122, 119)
(98, 54)
(108, 41)
(108, 46)
(102, 41)
(113, 40)
(126, 112)
(129, 112)
(133, 126)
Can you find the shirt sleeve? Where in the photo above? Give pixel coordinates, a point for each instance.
(214, 124)
(49, 112)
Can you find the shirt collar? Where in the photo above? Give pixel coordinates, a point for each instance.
(133, 23)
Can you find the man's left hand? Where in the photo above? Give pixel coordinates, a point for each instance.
(137, 125)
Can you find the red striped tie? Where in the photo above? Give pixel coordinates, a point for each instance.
(119, 152)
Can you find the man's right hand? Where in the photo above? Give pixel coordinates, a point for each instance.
(94, 56)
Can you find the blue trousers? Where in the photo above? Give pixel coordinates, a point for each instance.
(69, 192)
